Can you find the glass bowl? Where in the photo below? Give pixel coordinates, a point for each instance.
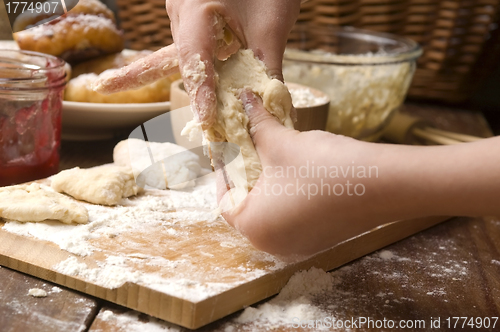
(366, 74)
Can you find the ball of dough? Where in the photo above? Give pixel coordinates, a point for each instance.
(174, 167)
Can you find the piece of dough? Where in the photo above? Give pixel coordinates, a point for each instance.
(33, 203)
(105, 185)
(37, 292)
(173, 166)
(243, 71)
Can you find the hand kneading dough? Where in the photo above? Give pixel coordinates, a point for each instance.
(174, 167)
(33, 203)
(243, 71)
(105, 185)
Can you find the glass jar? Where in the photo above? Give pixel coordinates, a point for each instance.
(366, 74)
(31, 94)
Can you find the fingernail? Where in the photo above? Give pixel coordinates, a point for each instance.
(276, 74)
(247, 98)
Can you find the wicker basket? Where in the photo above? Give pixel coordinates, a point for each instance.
(460, 38)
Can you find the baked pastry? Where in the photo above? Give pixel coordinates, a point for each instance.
(85, 74)
(80, 89)
(28, 19)
(103, 63)
(86, 31)
(73, 38)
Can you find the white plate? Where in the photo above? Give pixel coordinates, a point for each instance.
(92, 121)
(8, 45)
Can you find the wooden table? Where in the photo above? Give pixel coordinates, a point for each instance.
(450, 270)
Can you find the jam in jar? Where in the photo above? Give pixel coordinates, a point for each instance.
(31, 93)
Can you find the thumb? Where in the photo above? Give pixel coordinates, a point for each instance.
(261, 123)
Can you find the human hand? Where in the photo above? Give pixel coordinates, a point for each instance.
(318, 189)
(290, 212)
(204, 30)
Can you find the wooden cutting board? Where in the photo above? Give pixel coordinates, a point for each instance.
(215, 254)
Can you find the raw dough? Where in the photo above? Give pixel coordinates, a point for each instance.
(105, 185)
(242, 70)
(37, 292)
(173, 166)
(34, 203)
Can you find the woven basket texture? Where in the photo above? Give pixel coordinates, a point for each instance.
(460, 38)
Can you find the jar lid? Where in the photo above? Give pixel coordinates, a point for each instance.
(25, 70)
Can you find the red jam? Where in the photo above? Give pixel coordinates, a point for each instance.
(31, 91)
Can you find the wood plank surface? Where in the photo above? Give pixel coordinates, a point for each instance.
(38, 258)
(450, 270)
(62, 310)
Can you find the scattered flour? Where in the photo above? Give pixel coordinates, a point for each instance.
(115, 272)
(295, 301)
(386, 254)
(131, 322)
(37, 292)
(55, 289)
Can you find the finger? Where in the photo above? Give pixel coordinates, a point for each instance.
(272, 58)
(268, 41)
(263, 127)
(197, 44)
(222, 180)
(142, 72)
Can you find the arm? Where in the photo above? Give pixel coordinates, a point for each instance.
(287, 213)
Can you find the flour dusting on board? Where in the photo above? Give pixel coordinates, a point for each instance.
(170, 241)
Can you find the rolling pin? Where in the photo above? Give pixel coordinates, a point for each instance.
(406, 129)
